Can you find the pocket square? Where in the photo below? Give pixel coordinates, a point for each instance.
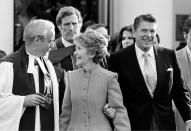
(170, 69)
(170, 74)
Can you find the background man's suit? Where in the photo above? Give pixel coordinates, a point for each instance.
(140, 105)
(62, 55)
(62, 61)
(185, 66)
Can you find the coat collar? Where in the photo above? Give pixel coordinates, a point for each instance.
(182, 53)
(66, 43)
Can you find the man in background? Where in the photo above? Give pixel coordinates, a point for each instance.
(69, 22)
(184, 60)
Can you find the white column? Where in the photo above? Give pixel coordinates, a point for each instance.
(6, 25)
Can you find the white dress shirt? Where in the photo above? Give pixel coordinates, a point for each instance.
(66, 43)
(140, 58)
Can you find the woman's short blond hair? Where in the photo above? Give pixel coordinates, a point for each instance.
(94, 42)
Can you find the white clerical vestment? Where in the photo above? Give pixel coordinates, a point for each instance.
(11, 106)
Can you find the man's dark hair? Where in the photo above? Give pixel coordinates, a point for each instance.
(187, 25)
(144, 17)
(68, 11)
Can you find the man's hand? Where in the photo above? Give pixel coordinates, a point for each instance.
(109, 111)
(33, 100)
(188, 125)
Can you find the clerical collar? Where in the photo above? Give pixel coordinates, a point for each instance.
(66, 43)
(31, 63)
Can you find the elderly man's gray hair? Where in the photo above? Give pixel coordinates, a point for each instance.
(37, 27)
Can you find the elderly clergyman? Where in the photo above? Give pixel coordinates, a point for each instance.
(28, 87)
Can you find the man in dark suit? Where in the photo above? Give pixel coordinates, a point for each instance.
(148, 93)
(69, 22)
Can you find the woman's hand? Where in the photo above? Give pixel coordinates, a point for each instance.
(109, 111)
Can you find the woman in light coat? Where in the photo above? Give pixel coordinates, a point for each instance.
(90, 88)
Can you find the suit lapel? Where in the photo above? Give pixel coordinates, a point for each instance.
(59, 43)
(162, 64)
(183, 61)
(55, 56)
(135, 72)
(182, 57)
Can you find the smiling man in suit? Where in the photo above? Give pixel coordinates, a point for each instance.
(150, 79)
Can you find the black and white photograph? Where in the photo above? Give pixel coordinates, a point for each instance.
(95, 65)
